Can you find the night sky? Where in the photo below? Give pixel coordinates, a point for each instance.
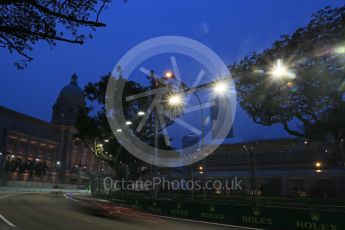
(231, 28)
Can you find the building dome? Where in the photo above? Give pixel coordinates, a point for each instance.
(68, 104)
(72, 93)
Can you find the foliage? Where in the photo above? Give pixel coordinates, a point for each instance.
(313, 92)
(24, 22)
(93, 127)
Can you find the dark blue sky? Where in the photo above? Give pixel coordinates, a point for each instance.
(231, 28)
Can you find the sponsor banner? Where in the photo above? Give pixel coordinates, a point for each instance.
(250, 216)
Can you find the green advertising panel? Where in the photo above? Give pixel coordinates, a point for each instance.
(251, 216)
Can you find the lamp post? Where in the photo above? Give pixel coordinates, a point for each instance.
(155, 141)
(96, 147)
(252, 169)
(176, 100)
(220, 88)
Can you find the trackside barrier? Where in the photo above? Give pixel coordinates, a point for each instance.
(256, 217)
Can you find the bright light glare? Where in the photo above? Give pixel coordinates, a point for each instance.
(340, 50)
(128, 122)
(220, 87)
(119, 130)
(279, 69)
(169, 74)
(58, 163)
(141, 113)
(106, 140)
(318, 164)
(175, 100)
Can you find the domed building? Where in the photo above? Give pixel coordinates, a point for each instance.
(35, 151)
(69, 103)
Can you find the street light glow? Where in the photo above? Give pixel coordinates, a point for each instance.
(119, 130)
(318, 164)
(58, 163)
(169, 74)
(141, 113)
(279, 70)
(12, 156)
(220, 87)
(128, 122)
(106, 140)
(0, 153)
(175, 100)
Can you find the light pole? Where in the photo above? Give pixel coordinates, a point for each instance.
(96, 147)
(155, 138)
(252, 168)
(174, 100)
(220, 88)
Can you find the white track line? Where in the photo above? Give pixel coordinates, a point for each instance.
(67, 197)
(16, 194)
(2, 217)
(188, 220)
(7, 221)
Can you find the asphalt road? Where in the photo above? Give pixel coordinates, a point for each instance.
(38, 211)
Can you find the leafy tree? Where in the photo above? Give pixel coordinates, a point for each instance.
(93, 127)
(25, 22)
(311, 90)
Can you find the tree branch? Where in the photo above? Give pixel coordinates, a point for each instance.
(69, 18)
(16, 48)
(100, 10)
(302, 119)
(14, 31)
(293, 132)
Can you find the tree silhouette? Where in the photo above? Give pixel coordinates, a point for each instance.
(93, 127)
(313, 90)
(25, 22)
